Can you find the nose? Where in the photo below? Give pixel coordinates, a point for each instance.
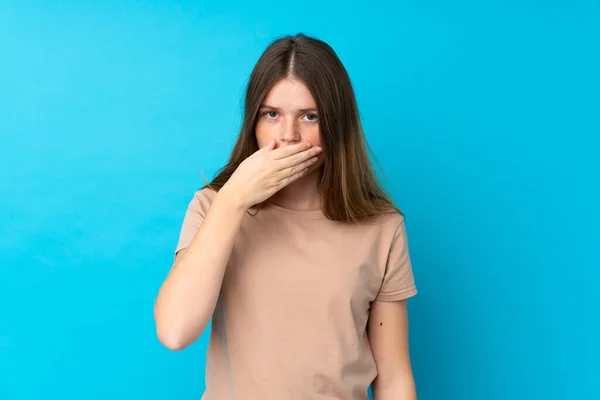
(289, 133)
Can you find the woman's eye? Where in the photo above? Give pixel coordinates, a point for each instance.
(311, 117)
(271, 114)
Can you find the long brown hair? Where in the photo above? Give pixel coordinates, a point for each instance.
(350, 188)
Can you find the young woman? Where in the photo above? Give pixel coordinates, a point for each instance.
(294, 249)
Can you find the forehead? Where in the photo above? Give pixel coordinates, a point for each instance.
(289, 93)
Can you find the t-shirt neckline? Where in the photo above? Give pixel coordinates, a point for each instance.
(302, 213)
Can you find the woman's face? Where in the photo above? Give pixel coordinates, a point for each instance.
(288, 115)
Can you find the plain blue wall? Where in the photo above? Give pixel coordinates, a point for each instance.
(483, 115)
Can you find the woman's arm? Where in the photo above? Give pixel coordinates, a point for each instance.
(187, 298)
(388, 335)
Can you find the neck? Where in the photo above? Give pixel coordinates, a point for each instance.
(302, 194)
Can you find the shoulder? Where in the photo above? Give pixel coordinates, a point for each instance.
(383, 229)
(202, 199)
(391, 221)
(205, 194)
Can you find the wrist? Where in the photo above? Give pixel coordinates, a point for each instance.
(231, 200)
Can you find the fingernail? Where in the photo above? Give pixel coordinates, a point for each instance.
(308, 145)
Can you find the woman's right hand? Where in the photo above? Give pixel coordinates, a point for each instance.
(269, 170)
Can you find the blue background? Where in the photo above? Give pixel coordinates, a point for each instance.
(483, 115)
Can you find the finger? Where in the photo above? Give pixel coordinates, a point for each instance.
(286, 181)
(298, 158)
(290, 171)
(270, 146)
(287, 151)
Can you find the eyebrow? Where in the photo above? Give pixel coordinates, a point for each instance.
(277, 109)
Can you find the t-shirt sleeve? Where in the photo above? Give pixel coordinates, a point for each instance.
(194, 216)
(398, 281)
